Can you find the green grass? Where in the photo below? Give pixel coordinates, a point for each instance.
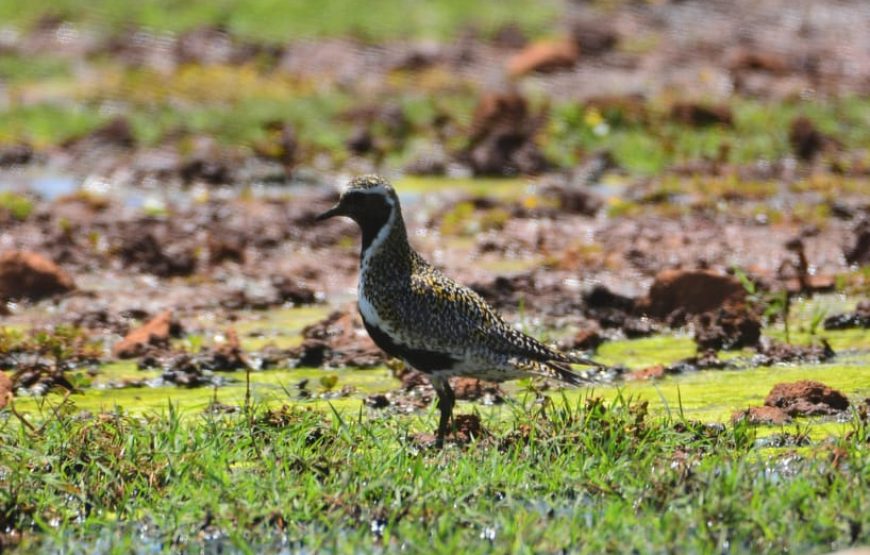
(50, 104)
(47, 124)
(16, 68)
(235, 104)
(651, 144)
(585, 477)
(273, 20)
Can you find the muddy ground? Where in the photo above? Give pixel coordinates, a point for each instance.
(122, 241)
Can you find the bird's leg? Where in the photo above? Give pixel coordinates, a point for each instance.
(446, 400)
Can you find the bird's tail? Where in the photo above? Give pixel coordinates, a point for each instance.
(574, 358)
(564, 373)
(558, 367)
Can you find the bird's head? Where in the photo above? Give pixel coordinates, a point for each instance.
(369, 200)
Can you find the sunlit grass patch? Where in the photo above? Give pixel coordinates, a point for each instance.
(586, 476)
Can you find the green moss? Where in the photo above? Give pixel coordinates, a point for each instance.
(639, 353)
(712, 396)
(508, 266)
(856, 282)
(18, 206)
(708, 395)
(280, 327)
(268, 388)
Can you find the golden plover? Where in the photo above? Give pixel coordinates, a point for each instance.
(415, 313)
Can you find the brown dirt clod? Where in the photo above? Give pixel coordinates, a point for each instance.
(595, 37)
(229, 355)
(805, 139)
(650, 373)
(411, 378)
(575, 200)
(225, 247)
(502, 142)
(5, 389)
(806, 398)
(762, 415)
(859, 252)
(858, 319)
(28, 275)
(293, 291)
(467, 427)
(15, 154)
(544, 56)
(117, 132)
(690, 292)
(732, 326)
(144, 252)
(586, 339)
(755, 60)
(777, 352)
(155, 332)
(700, 115)
(338, 340)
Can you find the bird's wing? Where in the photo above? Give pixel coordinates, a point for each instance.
(445, 315)
(438, 313)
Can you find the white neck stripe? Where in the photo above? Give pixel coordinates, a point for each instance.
(366, 308)
(382, 234)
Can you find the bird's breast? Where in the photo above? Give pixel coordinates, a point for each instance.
(369, 311)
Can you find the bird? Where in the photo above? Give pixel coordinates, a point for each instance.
(414, 312)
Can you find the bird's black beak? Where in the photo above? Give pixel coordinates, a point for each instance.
(332, 212)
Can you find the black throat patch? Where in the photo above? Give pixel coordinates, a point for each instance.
(371, 213)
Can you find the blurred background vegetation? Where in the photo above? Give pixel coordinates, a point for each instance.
(397, 84)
